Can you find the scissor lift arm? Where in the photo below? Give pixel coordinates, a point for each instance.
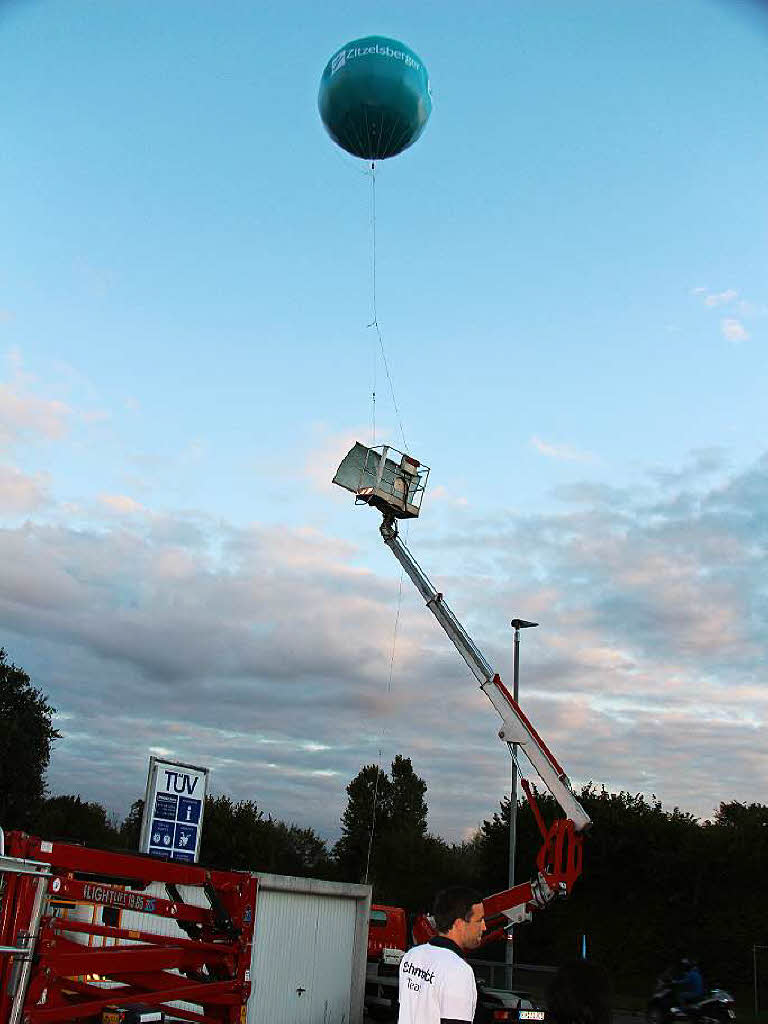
(48, 974)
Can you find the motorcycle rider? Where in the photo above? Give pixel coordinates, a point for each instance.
(689, 982)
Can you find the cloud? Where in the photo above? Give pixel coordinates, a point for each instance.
(121, 504)
(562, 452)
(265, 651)
(752, 309)
(721, 298)
(714, 299)
(701, 464)
(27, 417)
(24, 415)
(442, 494)
(21, 493)
(326, 451)
(733, 330)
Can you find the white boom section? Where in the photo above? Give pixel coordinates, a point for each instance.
(515, 728)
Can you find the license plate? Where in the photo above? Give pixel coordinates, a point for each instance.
(530, 1015)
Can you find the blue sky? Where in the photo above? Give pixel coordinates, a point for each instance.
(572, 294)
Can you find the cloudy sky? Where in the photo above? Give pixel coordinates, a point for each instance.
(571, 269)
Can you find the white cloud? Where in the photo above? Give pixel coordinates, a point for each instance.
(714, 299)
(721, 298)
(24, 416)
(326, 452)
(21, 493)
(121, 504)
(752, 309)
(733, 330)
(441, 493)
(562, 452)
(245, 648)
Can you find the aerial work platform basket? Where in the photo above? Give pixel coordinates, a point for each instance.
(85, 934)
(390, 480)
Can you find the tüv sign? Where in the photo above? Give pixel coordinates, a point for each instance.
(181, 781)
(173, 810)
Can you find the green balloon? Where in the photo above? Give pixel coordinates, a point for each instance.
(375, 99)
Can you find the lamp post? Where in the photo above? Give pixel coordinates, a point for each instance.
(517, 625)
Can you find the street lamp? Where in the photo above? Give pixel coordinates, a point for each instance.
(517, 625)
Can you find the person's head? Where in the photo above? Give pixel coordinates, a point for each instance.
(580, 994)
(458, 914)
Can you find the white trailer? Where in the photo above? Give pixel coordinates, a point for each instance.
(309, 951)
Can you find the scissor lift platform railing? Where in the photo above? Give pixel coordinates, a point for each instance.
(50, 971)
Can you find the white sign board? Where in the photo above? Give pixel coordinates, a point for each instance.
(173, 810)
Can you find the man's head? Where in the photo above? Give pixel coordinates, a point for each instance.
(458, 914)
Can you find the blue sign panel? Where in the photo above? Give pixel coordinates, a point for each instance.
(179, 855)
(189, 810)
(162, 833)
(186, 837)
(165, 806)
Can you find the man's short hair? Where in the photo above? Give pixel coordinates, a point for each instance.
(454, 904)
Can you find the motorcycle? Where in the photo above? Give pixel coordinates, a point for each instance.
(665, 1006)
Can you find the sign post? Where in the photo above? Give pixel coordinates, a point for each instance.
(173, 810)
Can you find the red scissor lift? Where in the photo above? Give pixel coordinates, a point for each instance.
(49, 972)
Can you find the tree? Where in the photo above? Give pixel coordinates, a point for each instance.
(365, 818)
(25, 745)
(71, 818)
(130, 830)
(237, 835)
(407, 807)
(405, 864)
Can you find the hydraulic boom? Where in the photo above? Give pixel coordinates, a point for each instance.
(516, 727)
(559, 860)
(395, 487)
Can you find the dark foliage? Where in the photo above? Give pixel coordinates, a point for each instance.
(656, 885)
(75, 820)
(238, 835)
(26, 736)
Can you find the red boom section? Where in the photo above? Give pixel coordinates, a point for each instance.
(149, 949)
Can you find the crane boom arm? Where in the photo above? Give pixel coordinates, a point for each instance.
(516, 727)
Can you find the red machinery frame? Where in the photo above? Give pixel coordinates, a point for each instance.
(559, 862)
(212, 953)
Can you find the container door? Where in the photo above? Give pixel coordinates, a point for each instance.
(302, 959)
(334, 948)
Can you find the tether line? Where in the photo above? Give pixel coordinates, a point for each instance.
(373, 820)
(375, 324)
(375, 321)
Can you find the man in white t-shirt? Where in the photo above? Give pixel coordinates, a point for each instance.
(437, 985)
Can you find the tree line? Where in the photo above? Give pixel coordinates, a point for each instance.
(656, 885)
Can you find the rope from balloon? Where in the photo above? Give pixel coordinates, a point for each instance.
(375, 321)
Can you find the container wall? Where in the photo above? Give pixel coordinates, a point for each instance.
(309, 952)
